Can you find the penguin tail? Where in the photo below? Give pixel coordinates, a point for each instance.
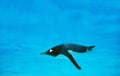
(90, 48)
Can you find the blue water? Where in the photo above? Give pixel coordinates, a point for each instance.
(29, 27)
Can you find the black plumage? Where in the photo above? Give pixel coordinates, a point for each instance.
(64, 48)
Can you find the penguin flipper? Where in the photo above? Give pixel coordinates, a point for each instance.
(72, 60)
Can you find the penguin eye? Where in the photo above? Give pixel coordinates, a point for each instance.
(50, 50)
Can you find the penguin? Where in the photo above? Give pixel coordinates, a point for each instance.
(64, 48)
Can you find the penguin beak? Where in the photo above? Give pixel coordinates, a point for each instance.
(44, 53)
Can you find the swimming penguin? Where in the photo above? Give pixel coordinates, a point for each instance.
(64, 48)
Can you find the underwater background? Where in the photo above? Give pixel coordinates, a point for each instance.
(29, 27)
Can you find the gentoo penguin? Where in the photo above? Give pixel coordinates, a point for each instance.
(64, 48)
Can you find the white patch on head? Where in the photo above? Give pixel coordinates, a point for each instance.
(50, 50)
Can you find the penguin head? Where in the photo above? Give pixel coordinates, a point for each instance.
(54, 51)
(50, 52)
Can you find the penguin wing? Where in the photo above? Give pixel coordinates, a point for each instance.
(72, 59)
